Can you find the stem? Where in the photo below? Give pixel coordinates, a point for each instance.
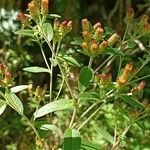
(72, 118)
(60, 89)
(92, 115)
(122, 135)
(125, 33)
(90, 62)
(44, 57)
(101, 65)
(141, 78)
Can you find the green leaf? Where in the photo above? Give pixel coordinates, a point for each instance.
(18, 88)
(130, 100)
(109, 31)
(72, 140)
(53, 106)
(45, 126)
(113, 51)
(88, 96)
(86, 76)
(2, 106)
(54, 16)
(77, 41)
(105, 134)
(86, 145)
(131, 44)
(48, 31)
(70, 60)
(36, 69)
(14, 102)
(25, 32)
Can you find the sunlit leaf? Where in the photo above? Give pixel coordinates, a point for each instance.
(54, 106)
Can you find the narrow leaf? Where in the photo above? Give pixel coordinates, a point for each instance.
(106, 135)
(70, 60)
(25, 32)
(14, 102)
(86, 145)
(36, 69)
(88, 96)
(53, 106)
(72, 140)
(18, 88)
(54, 16)
(48, 31)
(2, 106)
(113, 51)
(86, 76)
(130, 100)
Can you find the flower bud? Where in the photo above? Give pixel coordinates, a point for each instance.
(69, 24)
(144, 19)
(113, 39)
(121, 81)
(105, 79)
(44, 6)
(98, 33)
(94, 47)
(130, 15)
(84, 45)
(23, 18)
(103, 45)
(139, 87)
(125, 74)
(33, 9)
(85, 25)
(7, 76)
(85, 34)
(97, 25)
(56, 24)
(127, 70)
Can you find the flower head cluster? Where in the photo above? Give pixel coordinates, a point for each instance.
(5, 76)
(61, 29)
(93, 43)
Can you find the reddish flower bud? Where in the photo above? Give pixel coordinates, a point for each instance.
(97, 25)
(103, 44)
(84, 45)
(32, 8)
(85, 34)
(105, 79)
(7, 76)
(44, 6)
(98, 33)
(113, 39)
(130, 15)
(94, 47)
(23, 18)
(85, 25)
(139, 87)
